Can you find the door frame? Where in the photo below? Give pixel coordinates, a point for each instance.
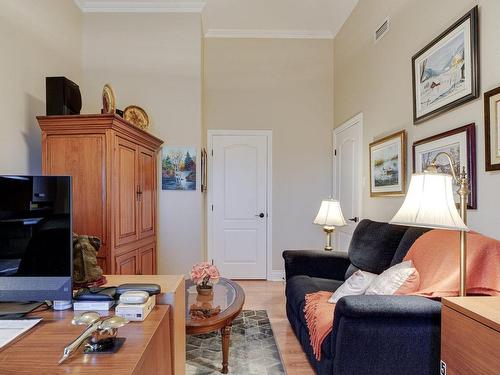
(269, 196)
(357, 119)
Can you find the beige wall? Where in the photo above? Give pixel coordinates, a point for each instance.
(376, 79)
(284, 85)
(154, 61)
(38, 39)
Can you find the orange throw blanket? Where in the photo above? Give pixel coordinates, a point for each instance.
(319, 318)
(436, 256)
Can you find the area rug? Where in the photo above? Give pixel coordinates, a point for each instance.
(252, 348)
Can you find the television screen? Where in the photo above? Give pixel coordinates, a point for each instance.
(35, 236)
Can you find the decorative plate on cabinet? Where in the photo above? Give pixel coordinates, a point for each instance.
(108, 99)
(136, 116)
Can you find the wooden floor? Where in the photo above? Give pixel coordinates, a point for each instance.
(270, 296)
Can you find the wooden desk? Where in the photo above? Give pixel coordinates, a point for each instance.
(173, 292)
(470, 335)
(39, 350)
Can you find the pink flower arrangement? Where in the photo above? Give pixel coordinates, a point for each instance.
(204, 273)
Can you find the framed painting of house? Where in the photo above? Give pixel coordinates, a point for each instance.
(446, 71)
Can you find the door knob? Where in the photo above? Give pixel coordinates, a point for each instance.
(261, 215)
(354, 219)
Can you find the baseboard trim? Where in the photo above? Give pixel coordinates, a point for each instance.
(276, 275)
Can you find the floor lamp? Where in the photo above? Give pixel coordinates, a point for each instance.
(430, 203)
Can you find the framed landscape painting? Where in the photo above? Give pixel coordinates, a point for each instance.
(492, 129)
(388, 165)
(460, 144)
(446, 71)
(178, 170)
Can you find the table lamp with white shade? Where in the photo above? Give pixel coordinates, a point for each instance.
(430, 203)
(330, 216)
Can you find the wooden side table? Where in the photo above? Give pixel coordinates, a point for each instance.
(172, 293)
(470, 336)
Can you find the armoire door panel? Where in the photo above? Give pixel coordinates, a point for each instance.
(147, 257)
(127, 264)
(126, 189)
(83, 157)
(147, 197)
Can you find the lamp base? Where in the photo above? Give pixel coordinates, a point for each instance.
(328, 230)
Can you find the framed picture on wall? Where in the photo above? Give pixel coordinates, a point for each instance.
(446, 71)
(492, 129)
(388, 165)
(460, 144)
(178, 168)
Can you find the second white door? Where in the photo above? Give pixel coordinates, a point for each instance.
(347, 174)
(239, 207)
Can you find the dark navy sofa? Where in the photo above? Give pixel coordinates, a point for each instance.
(373, 335)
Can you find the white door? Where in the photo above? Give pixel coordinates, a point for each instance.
(239, 205)
(347, 176)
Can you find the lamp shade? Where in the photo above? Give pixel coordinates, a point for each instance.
(330, 214)
(430, 203)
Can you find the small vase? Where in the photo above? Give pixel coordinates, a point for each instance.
(205, 290)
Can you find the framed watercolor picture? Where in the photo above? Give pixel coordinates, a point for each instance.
(492, 129)
(388, 165)
(460, 144)
(178, 168)
(446, 71)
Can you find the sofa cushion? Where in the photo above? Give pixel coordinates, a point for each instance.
(298, 286)
(373, 245)
(410, 236)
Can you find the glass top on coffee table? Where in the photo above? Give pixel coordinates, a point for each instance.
(202, 307)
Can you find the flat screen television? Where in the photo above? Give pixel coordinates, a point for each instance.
(36, 246)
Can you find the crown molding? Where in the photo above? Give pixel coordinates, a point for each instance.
(271, 34)
(98, 6)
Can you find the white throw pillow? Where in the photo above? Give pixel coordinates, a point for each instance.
(354, 285)
(392, 279)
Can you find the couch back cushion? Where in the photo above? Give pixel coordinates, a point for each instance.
(374, 244)
(410, 236)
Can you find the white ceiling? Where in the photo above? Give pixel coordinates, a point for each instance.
(285, 18)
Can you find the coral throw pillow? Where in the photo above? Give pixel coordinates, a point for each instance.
(401, 278)
(354, 285)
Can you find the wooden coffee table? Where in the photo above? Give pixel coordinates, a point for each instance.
(230, 297)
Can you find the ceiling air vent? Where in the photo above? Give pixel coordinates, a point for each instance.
(381, 30)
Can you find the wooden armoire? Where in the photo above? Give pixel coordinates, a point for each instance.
(114, 170)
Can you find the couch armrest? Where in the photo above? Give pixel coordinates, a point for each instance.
(386, 334)
(327, 265)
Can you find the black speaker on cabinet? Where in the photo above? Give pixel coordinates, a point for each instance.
(63, 96)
